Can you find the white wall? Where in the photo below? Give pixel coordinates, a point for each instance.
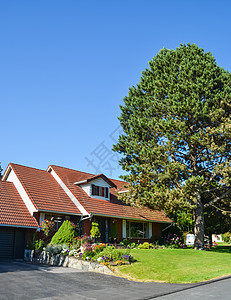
(100, 182)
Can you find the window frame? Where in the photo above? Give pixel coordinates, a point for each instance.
(145, 230)
(99, 191)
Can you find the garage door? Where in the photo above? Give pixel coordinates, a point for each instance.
(6, 242)
(12, 242)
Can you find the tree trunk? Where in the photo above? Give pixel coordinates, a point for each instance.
(199, 224)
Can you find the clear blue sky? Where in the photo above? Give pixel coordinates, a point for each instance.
(65, 67)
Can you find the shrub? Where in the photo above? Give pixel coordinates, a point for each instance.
(174, 241)
(125, 242)
(76, 242)
(87, 247)
(112, 253)
(87, 255)
(54, 249)
(65, 234)
(98, 248)
(39, 244)
(145, 245)
(127, 257)
(226, 237)
(95, 232)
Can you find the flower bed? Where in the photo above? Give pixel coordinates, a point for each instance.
(69, 261)
(100, 253)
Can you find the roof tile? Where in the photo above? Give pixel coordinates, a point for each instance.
(44, 191)
(114, 207)
(13, 211)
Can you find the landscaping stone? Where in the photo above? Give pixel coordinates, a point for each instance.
(67, 261)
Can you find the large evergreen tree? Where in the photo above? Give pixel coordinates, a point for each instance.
(176, 145)
(0, 171)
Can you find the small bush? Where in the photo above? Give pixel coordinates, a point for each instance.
(76, 242)
(65, 234)
(226, 237)
(145, 245)
(95, 232)
(54, 249)
(112, 253)
(88, 255)
(39, 244)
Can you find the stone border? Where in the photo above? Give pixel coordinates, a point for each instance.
(66, 261)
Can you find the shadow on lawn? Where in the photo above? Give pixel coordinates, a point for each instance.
(221, 249)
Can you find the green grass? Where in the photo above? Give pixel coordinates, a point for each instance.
(178, 265)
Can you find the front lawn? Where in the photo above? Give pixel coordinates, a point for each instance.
(178, 265)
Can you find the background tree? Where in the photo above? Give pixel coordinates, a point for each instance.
(0, 171)
(177, 134)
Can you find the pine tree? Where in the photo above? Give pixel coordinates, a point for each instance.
(177, 134)
(0, 171)
(65, 234)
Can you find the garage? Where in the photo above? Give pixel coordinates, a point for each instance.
(12, 242)
(17, 225)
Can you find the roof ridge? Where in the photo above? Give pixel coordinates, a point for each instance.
(14, 164)
(74, 170)
(87, 173)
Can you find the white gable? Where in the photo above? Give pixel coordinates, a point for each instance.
(12, 177)
(98, 182)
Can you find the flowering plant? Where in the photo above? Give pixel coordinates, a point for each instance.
(98, 248)
(47, 226)
(174, 241)
(128, 257)
(103, 259)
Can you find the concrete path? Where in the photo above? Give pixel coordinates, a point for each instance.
(22, 281)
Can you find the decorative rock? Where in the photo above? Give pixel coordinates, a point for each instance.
(70, 261)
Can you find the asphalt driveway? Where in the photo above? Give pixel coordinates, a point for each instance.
(19, 280)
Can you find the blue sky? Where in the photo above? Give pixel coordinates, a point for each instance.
(65, 67)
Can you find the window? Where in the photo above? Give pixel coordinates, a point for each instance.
(136, 230)
(99, 191)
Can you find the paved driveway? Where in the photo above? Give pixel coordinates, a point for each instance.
(19, 280)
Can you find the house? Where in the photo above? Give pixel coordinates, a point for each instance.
(28, 196)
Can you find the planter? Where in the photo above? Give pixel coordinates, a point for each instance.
(28, 255)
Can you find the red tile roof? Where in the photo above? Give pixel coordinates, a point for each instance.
(114, 207)
(13, 211)
(93, 177)
(44, 191)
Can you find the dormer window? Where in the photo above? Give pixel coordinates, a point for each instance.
(99, 191)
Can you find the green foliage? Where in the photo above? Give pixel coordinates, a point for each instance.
(95, 232)
(145, 245)
(65, 234)
(226, 237)
(112, 253)
(39, 244)
(87, 255)
(0, 171)
(176, 144)
(76, 242)
(184, 220)
(54, 249)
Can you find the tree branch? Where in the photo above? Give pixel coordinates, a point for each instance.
(217, 199)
